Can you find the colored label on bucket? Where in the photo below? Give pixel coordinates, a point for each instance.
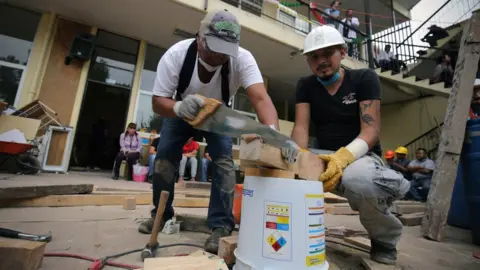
(277, 231)
(315, 229)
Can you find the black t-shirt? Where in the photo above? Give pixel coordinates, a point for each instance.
(337, 118)
(155, 143)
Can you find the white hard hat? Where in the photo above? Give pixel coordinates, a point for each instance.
(322, 37)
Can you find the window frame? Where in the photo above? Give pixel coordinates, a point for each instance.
(22, 78)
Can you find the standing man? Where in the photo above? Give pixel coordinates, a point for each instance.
(218, 69)
(334, 12)
(348, 32)
(344, 106)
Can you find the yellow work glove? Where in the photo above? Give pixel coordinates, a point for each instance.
(336, 162)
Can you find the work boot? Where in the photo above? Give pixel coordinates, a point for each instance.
(382, 254)
(146, 227)
(211, 245)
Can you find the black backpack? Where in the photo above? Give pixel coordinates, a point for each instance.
(187, 72)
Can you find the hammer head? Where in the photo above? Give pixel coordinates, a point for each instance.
(149, 252)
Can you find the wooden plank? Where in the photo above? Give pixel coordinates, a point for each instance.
(408, 209)
(358, 241)
(263, 172)
(227, 246)
(339, 209)
(17, 192)
(413, 219)
(93, 199)
(200, 185)
(453, 132)
(56, 150)
(257, 153)
(333, 198)
(182, 263)
(200, 253)
(21, 254)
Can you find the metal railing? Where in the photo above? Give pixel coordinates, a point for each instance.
(428, 140)
(406, 43)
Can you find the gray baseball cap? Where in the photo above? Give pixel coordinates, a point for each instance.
(221, 31)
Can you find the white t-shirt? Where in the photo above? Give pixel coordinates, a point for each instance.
(244, 72)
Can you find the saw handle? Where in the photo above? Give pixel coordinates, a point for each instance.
(210, 107)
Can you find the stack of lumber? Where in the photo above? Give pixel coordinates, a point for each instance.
(199, 260)
(15, 194)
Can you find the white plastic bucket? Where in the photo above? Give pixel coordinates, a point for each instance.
(282, 225)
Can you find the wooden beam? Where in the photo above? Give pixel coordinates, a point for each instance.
(100, 199)
(256, 153)
(18, 192)
(413, 219)
(226, 248)
(21, 254)
(453, 132)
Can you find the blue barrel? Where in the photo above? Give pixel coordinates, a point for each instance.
(459, 215)
(471, 175)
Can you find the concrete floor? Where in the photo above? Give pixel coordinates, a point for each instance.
(104, 230)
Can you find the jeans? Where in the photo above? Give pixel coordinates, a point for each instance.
(131, 159)
(205, 164)
(175, 132)
(192, 161)
(151, 161)
(419, 189)
(370, 188)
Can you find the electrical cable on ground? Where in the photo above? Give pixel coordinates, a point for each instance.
(99, 263)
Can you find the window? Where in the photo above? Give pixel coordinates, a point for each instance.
(17, 31)
(285, 18)
(252, 6)
(114, 60)
(144, 115)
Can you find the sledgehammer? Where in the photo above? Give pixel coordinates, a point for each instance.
(151, 247)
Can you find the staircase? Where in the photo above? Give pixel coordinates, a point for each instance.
(428, 140)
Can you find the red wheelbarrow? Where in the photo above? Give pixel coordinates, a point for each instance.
(17, 158)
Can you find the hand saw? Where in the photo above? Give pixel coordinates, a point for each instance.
(217, 118)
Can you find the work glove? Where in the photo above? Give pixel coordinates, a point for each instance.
(189, 107)
(290, 152)
(336, 162)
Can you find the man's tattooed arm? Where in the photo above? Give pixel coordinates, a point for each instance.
(370, 121)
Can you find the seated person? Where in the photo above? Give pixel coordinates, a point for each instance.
(130, 147)
(206, 162)
(401, 162)
(443, 71)
(189, 155)
(422, 172)
(385, 57)
(152, 153)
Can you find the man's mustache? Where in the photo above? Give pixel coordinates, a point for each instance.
(320, 67)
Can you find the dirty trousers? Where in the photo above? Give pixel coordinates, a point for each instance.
(174, 134)
(370, 188)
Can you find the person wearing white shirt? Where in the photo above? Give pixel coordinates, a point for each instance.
(347, 30)
(212, 65)
(385, 57)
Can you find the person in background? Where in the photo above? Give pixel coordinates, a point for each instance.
(190, 150)
(401, 162)
(206, 162)
(389, 156)
(435, 33)
(385, 57)
(344, 107)
(347, 31)
(422, 172)
(153, 135)
(152, 153)
(334, 12)
(97, 143)
(443, 71)
(130, 147)
(475, 106)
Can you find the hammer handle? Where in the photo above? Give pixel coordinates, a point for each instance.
(158, 218)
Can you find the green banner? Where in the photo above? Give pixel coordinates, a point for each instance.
(291, 4)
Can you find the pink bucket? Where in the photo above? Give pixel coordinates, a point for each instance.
(140, 173)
